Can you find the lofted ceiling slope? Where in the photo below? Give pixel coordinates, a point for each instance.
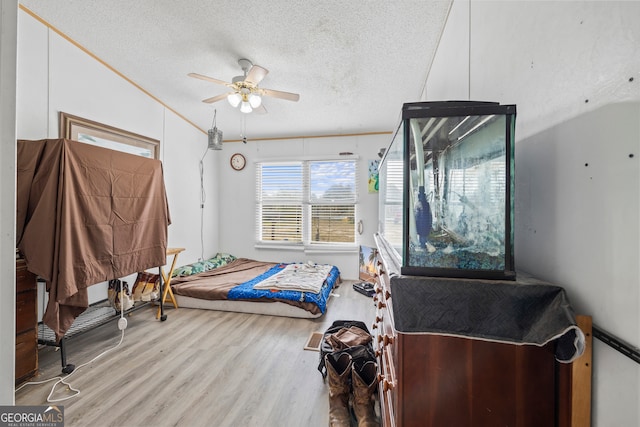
(353, 63)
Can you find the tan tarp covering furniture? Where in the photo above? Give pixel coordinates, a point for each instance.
(85, 215)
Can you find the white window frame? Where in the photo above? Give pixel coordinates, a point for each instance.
(306, 204)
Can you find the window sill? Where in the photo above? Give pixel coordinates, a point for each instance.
(298, 248)
(323, 249)
(331, 249)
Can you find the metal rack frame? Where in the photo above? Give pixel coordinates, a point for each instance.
(94, 316)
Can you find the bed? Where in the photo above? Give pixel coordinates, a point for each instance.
(244, 285)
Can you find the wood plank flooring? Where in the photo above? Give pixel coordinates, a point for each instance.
(198, 368)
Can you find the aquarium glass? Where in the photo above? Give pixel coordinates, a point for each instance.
(391, 192)
(458, 205)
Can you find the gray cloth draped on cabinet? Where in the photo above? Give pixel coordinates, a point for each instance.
(523, 312)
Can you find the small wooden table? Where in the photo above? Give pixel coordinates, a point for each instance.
(166, 279)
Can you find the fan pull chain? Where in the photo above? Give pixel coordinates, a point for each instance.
(243, 134)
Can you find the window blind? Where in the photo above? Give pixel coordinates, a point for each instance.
(332, 200)
(280, 191)
(307, 202)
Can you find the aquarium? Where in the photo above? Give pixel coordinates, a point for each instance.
(446, 189)
(391, 192)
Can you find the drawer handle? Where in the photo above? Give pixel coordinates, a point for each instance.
(381, 304)
(388, 340)
(387, 294)
(378, 290)
(387, 385)
(385, 339)
(378, 354)
(374, 326)
(378, 319)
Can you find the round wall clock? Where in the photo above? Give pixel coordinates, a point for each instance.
(238, 162)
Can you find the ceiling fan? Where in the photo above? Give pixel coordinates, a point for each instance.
(245, 92)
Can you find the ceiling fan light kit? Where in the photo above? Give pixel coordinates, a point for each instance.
(245, 107)
(245, 91)
(255, 100)
(234, 99)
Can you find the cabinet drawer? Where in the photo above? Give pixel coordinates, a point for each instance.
(25, 280)
(26, 355)
(26, 312)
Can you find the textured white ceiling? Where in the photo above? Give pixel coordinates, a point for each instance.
(354, 63)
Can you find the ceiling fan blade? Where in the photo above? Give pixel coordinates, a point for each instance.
(280, 94)
(209, 79)
(255, 75)
(216, 98)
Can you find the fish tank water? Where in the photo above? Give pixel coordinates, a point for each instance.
(446, 190)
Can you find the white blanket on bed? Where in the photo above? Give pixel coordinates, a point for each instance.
(297, 277)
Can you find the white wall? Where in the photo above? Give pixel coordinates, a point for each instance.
(572, 69)
(238, 197)
(55, 75)
(182, 174)
(8, 36)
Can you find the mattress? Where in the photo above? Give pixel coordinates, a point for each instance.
(274, 308)
(236, 287)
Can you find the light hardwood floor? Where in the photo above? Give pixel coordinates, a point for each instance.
(198, 368)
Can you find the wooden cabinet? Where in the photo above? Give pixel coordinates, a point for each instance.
(436, 379)
(26, 364)
(385, 345)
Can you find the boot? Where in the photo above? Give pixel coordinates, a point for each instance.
(364, 380)
(339, 372)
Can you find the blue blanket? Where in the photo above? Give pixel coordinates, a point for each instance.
(245, 291)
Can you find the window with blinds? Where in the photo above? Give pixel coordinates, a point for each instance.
(392, 194)
(306, 202)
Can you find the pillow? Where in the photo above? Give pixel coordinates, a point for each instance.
(198, 267)
(221, 259)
